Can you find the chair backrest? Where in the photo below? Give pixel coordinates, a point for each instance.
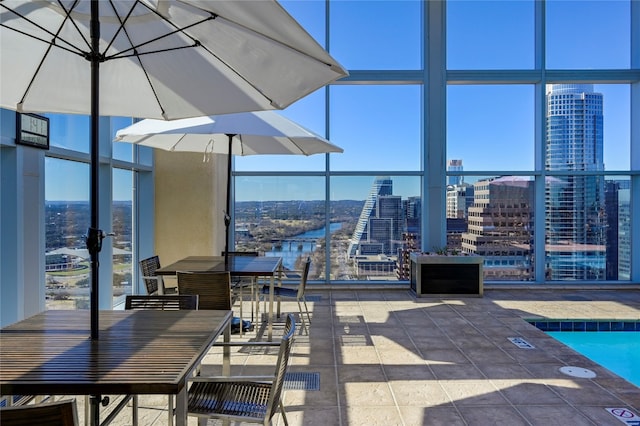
(213, 288)
(59, 413)
(303, 279)
(172, 302)
(241, 253)
(282, 366)
(148, 268)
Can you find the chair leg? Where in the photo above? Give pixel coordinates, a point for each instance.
(304, 326)
(284, 415)
(241, 303)
(170, 403)
(134, 410)
(306, 308)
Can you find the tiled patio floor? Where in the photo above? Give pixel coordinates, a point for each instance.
(388, 358)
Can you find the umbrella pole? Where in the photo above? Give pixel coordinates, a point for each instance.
(94, 235)
(227, 217)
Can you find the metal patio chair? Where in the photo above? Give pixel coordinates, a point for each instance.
(167, 302)
(253, 399)
(153, 282)
(59, 413)
(296, 293)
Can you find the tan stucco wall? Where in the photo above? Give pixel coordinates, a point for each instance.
(190, 197)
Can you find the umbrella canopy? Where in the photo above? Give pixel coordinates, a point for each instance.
(158, 59)
(149, 58)
(254, 133)
(249, 133)
(83, 253)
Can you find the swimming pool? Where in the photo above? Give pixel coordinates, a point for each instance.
(618, 351)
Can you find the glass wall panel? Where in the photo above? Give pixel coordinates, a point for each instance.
(608, 106)
(476, 35)
(377, 126)
(67, 218)
(491, 127)
(282, 216)
(384, 35)
(308, 112)
(311, 14)
(121, 151)
(618, 227)
(492, 216)
(587, 34)
(587, 228)
(122, 227)
(377, 225)
(70, 131)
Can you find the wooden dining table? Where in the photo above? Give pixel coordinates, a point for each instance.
(241, 266)
(137, 353)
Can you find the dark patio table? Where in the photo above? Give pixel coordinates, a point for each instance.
(244, 266)
(138, 352)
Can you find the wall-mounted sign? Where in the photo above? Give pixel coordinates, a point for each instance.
(32, 130)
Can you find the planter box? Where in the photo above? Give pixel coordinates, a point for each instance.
(446, 275)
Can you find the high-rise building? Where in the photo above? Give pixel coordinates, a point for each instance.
(458, 199)
(501, 227)
(381, 186)
(624, 231)
(575, 204)
(454, 166)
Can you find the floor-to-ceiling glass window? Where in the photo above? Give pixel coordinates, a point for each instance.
(67, 212)
(537, 138)
(122, 229)
(66, 222)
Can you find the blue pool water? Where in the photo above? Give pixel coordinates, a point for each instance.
(618, 351)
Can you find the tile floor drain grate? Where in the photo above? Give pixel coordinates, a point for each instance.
(521, 343)
(302, 381)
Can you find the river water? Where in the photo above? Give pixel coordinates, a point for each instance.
(300, 245)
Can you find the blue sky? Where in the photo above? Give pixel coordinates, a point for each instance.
(378, 126)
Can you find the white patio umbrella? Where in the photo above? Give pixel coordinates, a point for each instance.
(163, 59)
(249, 133)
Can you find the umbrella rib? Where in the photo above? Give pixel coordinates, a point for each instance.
(124, 53)
(122, 23)
(50, 44)
(67, 17)
(71, 48)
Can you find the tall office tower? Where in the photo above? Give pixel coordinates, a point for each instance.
(382, 186)
(454, 166)
(612, 189)
(624, 230)
(413, 214)
(501, 227)
(458, 198)
(575, 205)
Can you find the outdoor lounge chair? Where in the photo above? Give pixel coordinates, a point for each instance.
(153, 282)
(59, 413)
(239, 284)
(244, 398)
(168, 302)
(213, 288)
(296, 293)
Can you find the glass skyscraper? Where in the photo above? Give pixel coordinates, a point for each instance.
(374, 218)
(575, 204)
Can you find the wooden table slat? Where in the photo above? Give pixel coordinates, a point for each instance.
(138, 352)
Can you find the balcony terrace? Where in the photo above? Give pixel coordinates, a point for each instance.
(384, 357)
